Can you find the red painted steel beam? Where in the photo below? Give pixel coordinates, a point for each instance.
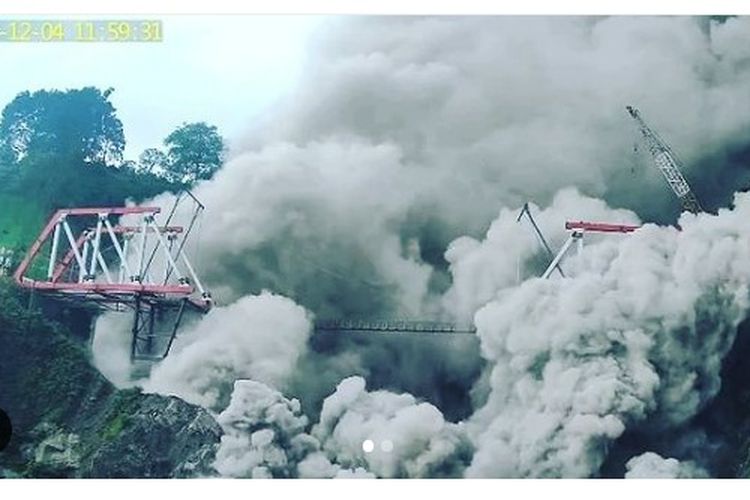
(135, 229)
(36, 247)
(97, 291)
(47, 231)
(600, 227)
(110, 211)
(113, 288)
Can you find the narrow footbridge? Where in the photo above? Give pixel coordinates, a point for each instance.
(393, 326)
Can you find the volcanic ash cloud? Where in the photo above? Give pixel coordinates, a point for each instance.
(264, 437)
(651, 465)
(259, 337)
(638, 331)
(409, 438)
(511, 251)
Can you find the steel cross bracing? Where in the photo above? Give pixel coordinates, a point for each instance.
(667, 162)
(578, 229)
(392, 326)
(83, 255)
(538, 232)
(109, 261)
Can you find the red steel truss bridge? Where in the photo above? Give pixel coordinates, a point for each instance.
(83, 255)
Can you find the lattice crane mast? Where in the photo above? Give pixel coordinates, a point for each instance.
(668, 163)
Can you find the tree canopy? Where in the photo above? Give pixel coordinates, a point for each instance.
(65, 148)
(195, 151)
(152, 160)
(80, 124)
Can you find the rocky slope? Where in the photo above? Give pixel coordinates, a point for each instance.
(69, 421)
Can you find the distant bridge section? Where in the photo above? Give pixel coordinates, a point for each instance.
(393, 326)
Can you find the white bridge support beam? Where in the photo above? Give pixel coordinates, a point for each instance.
(95, 250)
(142, 251)
(118, 248)
(165, 250)
(538, 233)
(194, 276)
(79, 259)
(103, 265)
(579, 228)
(53, 253)
(82, 269)
(124, 269)
(575, 236)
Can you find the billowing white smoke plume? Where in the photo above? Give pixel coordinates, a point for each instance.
(259, 337)
(111, 347)
(261, 428)
(318, 223)
(265, 436)
(506, 256)
(502, 109)
(653, 466)
(410, 439)
(410, 132)
(638, 331)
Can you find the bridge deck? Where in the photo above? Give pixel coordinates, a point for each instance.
(398, 326)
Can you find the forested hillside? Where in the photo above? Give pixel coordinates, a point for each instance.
(66, 148)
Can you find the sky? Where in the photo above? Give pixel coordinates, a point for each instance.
(221, 69)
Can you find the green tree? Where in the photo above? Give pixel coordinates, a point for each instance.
(152, 160)
(64, 149)
(195, 151)
(80, 124)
